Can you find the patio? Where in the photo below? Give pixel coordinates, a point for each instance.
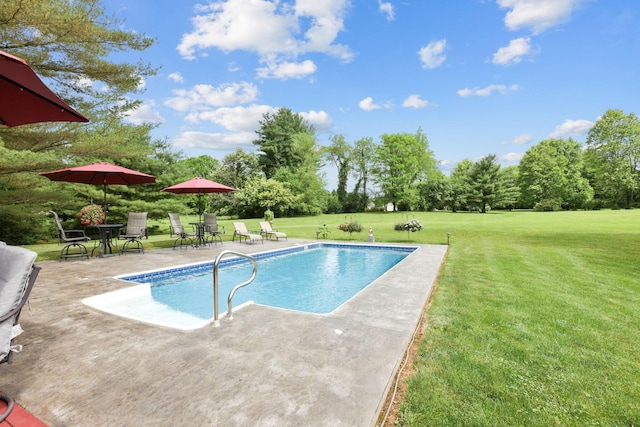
(268, 367)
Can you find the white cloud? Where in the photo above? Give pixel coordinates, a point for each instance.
(320, 120)
(387, 9)
(367, 104)
(287, 70)
(284, 31)
(520, 140)
(214, 141)
(431, 55)
(572, 128)
(84, 82)
(513, 53)
(511, 158)
(238, 119)
(176, 77)
(414, 101)
(486, 91)
(537, 15)
(206, 96)
(241, 122)
(144, 114)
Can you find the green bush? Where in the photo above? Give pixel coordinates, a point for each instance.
(20, 226)
(549, 205)
(350, 227)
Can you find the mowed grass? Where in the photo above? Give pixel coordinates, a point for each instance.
(535, 322)
(535, 319)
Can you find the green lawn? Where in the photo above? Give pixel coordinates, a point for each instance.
(535, 318)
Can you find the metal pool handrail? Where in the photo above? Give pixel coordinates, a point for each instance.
(216, 321)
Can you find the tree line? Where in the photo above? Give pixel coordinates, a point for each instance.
(72, 45)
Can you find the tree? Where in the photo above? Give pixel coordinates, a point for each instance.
(276, 140)
(339, 152)
(237, 168)
(362, 162)
(485, 182)
(260, 194)
(402, 160)
(550, 176)
(304, 180)
(509, 189)
(70, 45)
(460, 188)
(434, 193)
(613, 157)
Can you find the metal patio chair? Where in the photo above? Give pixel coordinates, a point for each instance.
(134, 232)
(73, 239)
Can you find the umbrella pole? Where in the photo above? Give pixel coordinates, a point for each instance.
(105, 208)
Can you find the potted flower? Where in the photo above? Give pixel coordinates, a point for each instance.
(91, 214)
(350, 227)
(410, 226)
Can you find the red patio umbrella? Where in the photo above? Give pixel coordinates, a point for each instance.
(24, 98)
(101, 173)
(198, 186)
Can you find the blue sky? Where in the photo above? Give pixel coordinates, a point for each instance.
(478, 77)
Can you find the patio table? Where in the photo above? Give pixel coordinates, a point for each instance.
(199, 228)
(107, 232)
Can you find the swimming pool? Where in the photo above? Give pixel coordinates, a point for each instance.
(315, 278)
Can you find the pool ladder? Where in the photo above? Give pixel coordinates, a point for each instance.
(216, 321)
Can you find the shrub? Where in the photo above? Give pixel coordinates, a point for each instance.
(549, 205)
(20, 228)
(412, 225)
(350, 227)
(268, 215)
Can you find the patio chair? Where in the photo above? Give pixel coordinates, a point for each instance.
(73, 239)
(266, 230)
(134, 232)
(242, 233)
(212, 229)
(17, 277)
(176, 229)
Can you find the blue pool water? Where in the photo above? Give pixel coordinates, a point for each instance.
(317, 278)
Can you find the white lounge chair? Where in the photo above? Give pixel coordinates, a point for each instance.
(242, 233)
(17, 276)
(267, 231)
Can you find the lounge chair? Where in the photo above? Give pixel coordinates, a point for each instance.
(17, 277)
(135, 230)
(212, 229)
(242, 233)
(266, 230)
(176, 229)
(73, 239)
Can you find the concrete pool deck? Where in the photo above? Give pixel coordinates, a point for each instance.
(267, 367)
